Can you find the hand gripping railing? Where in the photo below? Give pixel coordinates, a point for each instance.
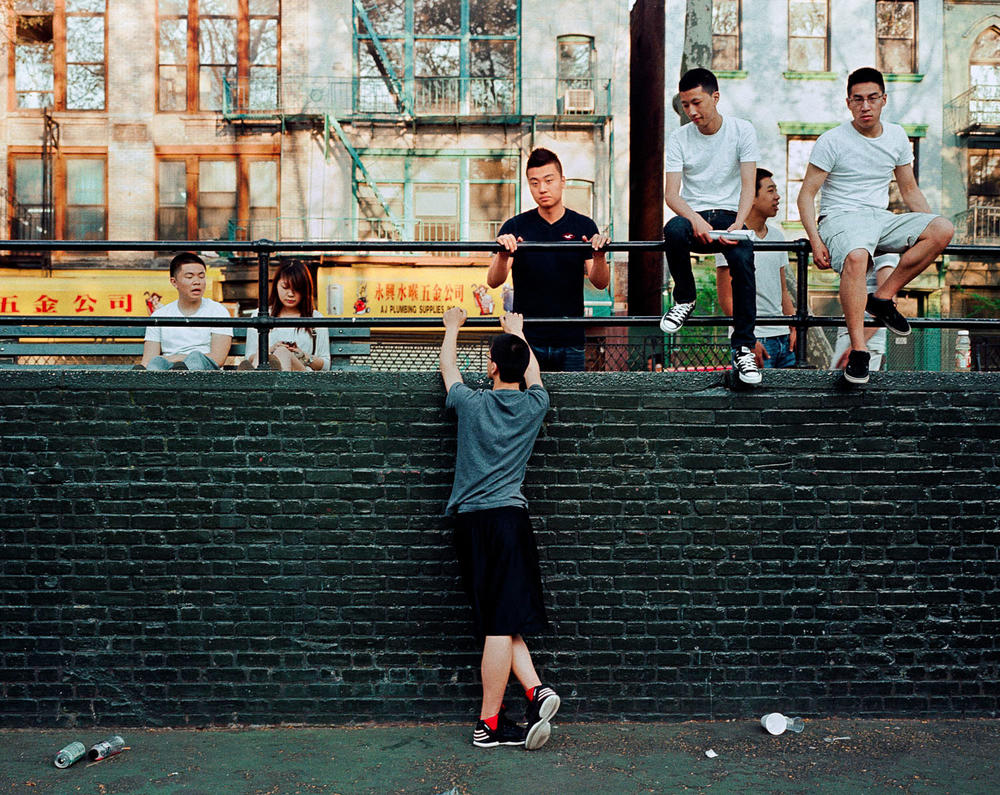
(265, 249)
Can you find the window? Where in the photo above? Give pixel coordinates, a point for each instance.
(440, 197)
(896, 35)
(217, 197)
(218, 54)
(437, 56)
(68, 74)
(575, 65)
(798, 150)
(984, 177)
(726, 54)
(79, 187)
(984, 78)
(579, 195)
(808, 35)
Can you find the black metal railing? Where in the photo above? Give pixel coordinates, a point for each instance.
(264, 250)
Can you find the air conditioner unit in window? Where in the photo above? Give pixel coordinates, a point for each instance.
(576, 100)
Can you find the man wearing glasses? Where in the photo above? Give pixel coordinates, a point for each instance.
(854, 164)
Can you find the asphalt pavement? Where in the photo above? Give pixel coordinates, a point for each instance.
(830, 756)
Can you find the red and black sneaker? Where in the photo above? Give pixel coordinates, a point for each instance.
(543, 705)
(506, 733)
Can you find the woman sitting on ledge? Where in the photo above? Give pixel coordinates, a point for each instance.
(292, 294)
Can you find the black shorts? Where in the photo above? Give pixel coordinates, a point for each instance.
(499, 562)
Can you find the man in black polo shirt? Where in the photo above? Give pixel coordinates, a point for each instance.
(550, 283)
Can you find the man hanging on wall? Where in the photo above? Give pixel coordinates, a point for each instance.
(493, 536)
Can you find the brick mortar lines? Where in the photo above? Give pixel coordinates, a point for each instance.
(276, 550)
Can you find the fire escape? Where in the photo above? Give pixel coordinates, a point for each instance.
(329, 104)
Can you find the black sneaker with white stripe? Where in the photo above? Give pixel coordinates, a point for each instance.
(745, 366)
(539, 712)
(507, 733)
(676, 317)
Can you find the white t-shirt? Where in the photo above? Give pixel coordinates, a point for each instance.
(859, 168)
(768, 265)
(320, 347)
(709, 165)
(187, 339)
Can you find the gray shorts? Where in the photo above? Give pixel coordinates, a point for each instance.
(872, 229)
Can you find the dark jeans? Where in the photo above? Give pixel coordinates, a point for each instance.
(679, 237)
(780, 352)
(556, 359)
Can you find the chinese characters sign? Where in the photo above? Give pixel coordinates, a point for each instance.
(85, 292)
(399, 291)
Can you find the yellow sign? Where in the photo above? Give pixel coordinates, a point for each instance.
(87, 292)
(401, 291)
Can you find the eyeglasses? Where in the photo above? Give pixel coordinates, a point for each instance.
(871, 99)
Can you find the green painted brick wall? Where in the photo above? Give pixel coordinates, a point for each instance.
(208, 548)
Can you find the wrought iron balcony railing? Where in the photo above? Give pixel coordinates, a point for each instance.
(975, 111)
(482, 97)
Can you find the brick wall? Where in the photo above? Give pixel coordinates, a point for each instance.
(206, 548)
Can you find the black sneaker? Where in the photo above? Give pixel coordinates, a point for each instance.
(507, 733)
(745, 366)
(539, 712)
(676, 317)
(857, 367)
(178, 366)
(885, 312)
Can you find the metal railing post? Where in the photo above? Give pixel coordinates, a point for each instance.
(801, 301)
(264, 332)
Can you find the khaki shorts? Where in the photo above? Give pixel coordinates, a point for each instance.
(871, 229)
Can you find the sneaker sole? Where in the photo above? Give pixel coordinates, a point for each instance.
(897, 332)
(540, 731)
(750, 381)
(479, 744)
(538, 735)
(667, 329)
(853, 379)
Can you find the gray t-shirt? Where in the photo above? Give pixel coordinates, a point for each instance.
(496, 432)
(859, 169)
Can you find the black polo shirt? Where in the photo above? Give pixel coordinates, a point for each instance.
(550, 283)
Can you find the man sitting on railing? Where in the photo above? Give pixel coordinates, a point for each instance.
(187, 347)
(854, 164)
(550, 283)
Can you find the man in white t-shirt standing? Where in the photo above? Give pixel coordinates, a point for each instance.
(854, 164)
(187, 347)
(775, 344)
(710, 168)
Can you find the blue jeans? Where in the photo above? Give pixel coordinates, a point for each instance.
(557, 359)
(195, 360)
(779, 350)
(679, 237)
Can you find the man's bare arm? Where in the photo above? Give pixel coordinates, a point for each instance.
(220, 348)
(513, 323)
(906, 181)
(814, 179)
(453, 320)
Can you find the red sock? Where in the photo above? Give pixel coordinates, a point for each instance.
(530, 693)
(492, 722)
